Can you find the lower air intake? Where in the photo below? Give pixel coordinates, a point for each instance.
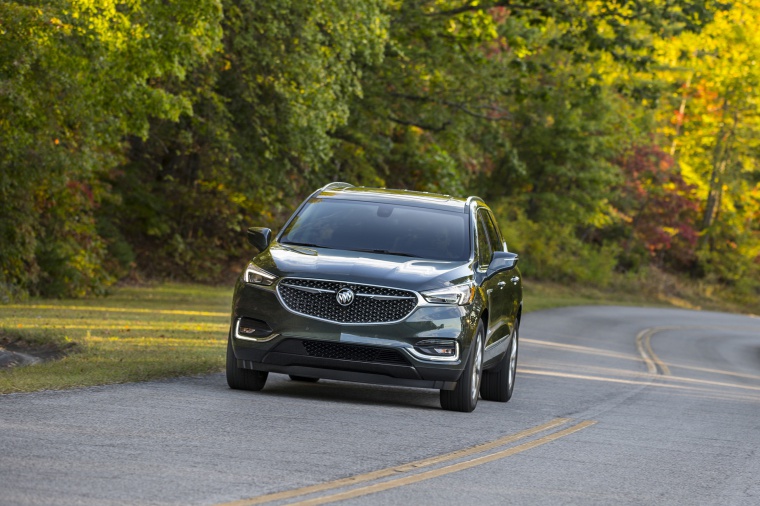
(356, 353)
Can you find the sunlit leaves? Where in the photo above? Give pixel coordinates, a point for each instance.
(149, 133)
(76, 78)
(713, 123)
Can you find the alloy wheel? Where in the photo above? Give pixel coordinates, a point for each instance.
(477, 368)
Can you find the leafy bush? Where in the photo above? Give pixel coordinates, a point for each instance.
(555, 253)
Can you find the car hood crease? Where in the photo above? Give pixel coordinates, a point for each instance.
(361, 267)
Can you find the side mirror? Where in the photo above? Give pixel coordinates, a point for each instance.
(502, 261)
(259, 237)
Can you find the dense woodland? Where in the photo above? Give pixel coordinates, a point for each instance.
(140, 138)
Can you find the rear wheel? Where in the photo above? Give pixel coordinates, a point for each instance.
(465, 396)
(499, 383)
(243, 379)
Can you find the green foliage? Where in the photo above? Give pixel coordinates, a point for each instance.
(556, 253)
(420, 123)
(141, 138)
(565, 142)
(712, 121)
(70, 253)
(289, 71)
(76, 77)
(262, 112)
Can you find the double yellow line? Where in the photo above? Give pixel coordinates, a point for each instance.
(644, 345)
(407, 469)
(657, 366)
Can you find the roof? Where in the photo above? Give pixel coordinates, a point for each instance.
(399, 197)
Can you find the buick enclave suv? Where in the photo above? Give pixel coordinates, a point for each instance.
(381, 286)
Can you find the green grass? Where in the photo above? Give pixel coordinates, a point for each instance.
(169, 330)
(652, 288)
(137, 334)
(542, 295)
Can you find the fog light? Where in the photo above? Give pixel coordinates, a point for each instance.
(437, 349)
(251, 328)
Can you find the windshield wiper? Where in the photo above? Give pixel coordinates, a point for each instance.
(387, 252)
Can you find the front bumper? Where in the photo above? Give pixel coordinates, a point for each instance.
(368, 353)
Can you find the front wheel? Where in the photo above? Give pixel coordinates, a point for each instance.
(498, 384)
(243, 379)
(464, 397)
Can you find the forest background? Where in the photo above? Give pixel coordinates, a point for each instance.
(617, 141)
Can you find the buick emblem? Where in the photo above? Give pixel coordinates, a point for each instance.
(344, 296)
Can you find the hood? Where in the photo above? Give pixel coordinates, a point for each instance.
(359, 267)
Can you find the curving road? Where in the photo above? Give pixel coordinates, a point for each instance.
(613, 405)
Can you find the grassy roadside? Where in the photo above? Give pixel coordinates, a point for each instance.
(170, 330)
(137, 334)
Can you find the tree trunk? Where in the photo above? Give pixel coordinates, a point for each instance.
(721, 159)
(681, 112)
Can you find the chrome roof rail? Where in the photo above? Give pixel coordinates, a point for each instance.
(337, 185)
(472, 199)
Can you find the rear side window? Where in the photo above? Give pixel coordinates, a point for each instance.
(497, 243)
(489, 238)
(484, 245)
(383, 228)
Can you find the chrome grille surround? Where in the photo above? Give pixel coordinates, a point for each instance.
(316, 298)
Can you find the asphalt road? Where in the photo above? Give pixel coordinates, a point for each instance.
(612, 406)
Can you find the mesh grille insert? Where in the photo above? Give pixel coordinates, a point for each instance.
(371, 304)
(356, 353)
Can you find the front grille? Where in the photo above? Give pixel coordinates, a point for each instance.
(371, 304)
(357, 353)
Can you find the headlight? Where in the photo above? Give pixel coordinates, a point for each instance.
(259, 276)
(458, 294)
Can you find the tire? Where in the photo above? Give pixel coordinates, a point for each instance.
(464, 397)
(303, 379)
(243, 379)
(499, 383)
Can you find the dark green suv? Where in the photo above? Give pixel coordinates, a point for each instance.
(381, 286)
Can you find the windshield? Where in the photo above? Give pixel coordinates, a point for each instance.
(381, 228)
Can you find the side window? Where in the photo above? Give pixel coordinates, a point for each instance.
(484, 244)
(497, 243)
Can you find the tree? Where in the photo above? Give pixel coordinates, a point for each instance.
(258, 137)
(76, 77)
(166, 128)
(658, 213)
(715, 132)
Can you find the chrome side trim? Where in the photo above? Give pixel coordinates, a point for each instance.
(427, 358)
(310, 289)
(307, 289)
(254, 339)
(501, 341)
(385, 297)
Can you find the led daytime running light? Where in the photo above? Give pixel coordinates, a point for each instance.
(458, 294)
(258, 276)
